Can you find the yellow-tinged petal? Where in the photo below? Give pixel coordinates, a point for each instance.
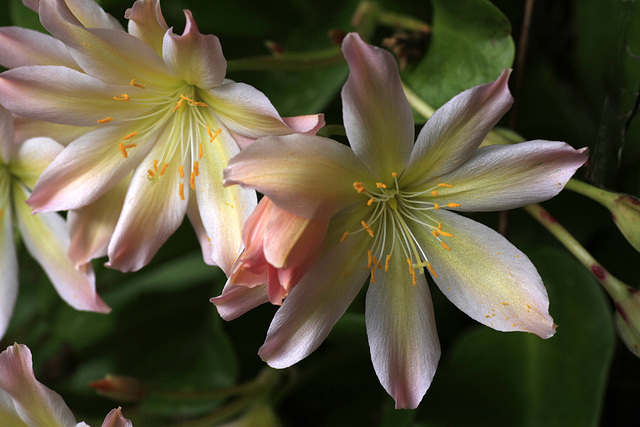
(309, 176)
(147, 23)
(487, 277)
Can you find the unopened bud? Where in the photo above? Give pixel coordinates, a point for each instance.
(627, 319)
(121, 388)
(626, 214)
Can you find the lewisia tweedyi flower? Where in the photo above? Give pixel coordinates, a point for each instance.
(25, 401)
(392, 207)
(160, 113)
(45, 235)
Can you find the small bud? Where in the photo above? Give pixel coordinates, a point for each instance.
(625, 211)
(627, 319)
(121, 388)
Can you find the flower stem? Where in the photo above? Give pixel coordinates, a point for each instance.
(599, 195)
(614, 287)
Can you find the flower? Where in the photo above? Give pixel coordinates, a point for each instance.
(391, 206)
(45, 235)
(159, 112)
(24, 401)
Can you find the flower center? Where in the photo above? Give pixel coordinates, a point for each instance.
(180, 110)
(389, 224)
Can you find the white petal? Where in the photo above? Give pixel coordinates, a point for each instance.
(147, 23)
(36, 404)
(486, 276)
(237, 300)
(377, 116)
(32, 158)
(456, 130)
(46, 237)
(402, 333)
(22, 46)
(508, 176)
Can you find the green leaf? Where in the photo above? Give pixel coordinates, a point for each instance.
(520, 379)
(470, 44)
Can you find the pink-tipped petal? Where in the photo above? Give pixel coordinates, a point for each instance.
(46, 237)
(223, 210)
(194, 57)
(456, 130)
(237, 300)
(111, 55)
(36, 404)
(147, 23)
(501, 177)
(318, 301)
(8, 258)
(91, 226)
(90, 14)
(402, 333)
(377, 116)
(487, 277)
(22, 46)
(115, 419)
(309, 176)
(88, 168)
(152, 212)
(309, 124)
(65, 96)
(245, 111)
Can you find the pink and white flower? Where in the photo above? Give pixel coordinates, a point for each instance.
(45, 235)
(392, 208)
(161, 119)
(25, 401)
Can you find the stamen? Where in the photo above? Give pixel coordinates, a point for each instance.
(164, 168)
(123, 97)
(436, 206)
(134, 84)
(366, 227)
(368, 259)
(344, 236)
(432, 270)
(152, 173)
(359, 187)
(131, 135)
(181, 171)
(370, 201)
(386, 262)
(178, 104)
(394, 174)
(200, 151)
(192, 181)
(438, 232)
(434, 193)
(192, 102)
(376, 262)
(380, 185)
(373, 274)
(453, 205)
(123, 149)
(216, 134)
(181, 190)
(414, 279)
(196, 168)
(105, 120)
(442, 184)
(444, 245)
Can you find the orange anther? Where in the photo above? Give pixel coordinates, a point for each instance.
(122, 97)
(164, 168)
(381, 185)
(370, 201)
(442, 184)
(344, 236)
(196, 168)
(444, 245)
(200, 151)
(434, 193)
(181, 171)
(192, 181)
(376, 262)
(436, 206)
(181, 190)
(131, 135)
(368, 259)
(394, 174)
(123, 149)
(178, 104)
(414, 279)
(453, 205)
(216, 134)
(386, 261)
(359, 187)
(134, 84)
(373, 274)
(366, 227)
(105, 120)
(432, 270)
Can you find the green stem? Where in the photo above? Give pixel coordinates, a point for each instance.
(307, 61)
(418, 104)
(599, 195)
(614, 287)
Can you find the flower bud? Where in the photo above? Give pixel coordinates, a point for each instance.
(626, 214)
(627, 320)
(121, 388)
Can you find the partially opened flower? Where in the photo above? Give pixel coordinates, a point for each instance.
(391, 205)
(161, 114)
(45, 235)
(24, 401)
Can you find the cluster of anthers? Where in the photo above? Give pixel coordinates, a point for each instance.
(393, 211)
(182, 139)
